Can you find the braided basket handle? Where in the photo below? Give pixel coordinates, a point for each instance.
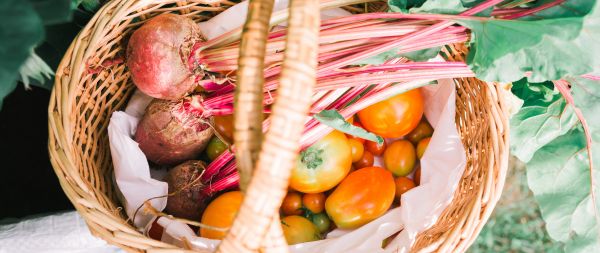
(257, 224)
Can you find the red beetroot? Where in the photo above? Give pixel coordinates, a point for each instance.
(173, 131)
(189, 199)
(157, 56)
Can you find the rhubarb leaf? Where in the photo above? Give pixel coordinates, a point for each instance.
(551, 48)
(332, 118)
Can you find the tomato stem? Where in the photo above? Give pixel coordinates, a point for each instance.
(312, 157)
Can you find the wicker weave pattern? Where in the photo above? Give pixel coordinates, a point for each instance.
(83, 100)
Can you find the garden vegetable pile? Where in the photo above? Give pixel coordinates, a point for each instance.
(370, 69)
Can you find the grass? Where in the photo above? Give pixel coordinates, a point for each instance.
(516, 224)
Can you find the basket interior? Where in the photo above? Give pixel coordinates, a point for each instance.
(89, 88)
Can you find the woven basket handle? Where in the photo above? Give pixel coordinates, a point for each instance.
(257, 223)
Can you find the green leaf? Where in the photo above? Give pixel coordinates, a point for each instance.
(434, 6)
(543, 117)
(20, 29)
(504, 50)
(419, 55)
(333, 119)
(88, 5)
(53, 11)
(35, 72)
(559, 176)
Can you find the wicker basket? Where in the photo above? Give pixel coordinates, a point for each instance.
(82, 102)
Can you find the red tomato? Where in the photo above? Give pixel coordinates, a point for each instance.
(362, 197)
(374, 148)
(366, 160)
(394, 117)
(423, 130)
(400, 157)
(298, 229)
(292, 204)
(422, 146)
(220, 213)
(418, 175)
(403, 184)
(224, 125)
(314, 202)
(357, 149)
(323, 165)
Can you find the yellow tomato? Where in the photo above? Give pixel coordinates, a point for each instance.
(220, 213)
(323, 165)
(297, 229)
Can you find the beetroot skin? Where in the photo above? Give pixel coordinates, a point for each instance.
(190, 199)
(173, 131)
(157, 56)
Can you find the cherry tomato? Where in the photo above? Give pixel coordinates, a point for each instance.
(215, 148)
(323, 165)
(366, 160)
(403, 184)
(221, 213)
(423, 130)
(422, 146)
(298, 229)
(374, 148)
(394, 117)
(224, 125)
(322, 221)
(292, 204)
(362, 197)
(314, 202)
(156, 230)
(400, 157)
(418, 175)
(357, 149)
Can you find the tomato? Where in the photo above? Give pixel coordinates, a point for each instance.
(394, 117)
(323, 165)
(418, 175)
(292, 204)
(422, 146)
(362, 197)
(298, 229)
(314, 202)
(221, 213)
(224, 125)
(322, 221)
(156, 230)
(366, 160)
(403, 184)
(423, 130)
(352, 137)
(357, 149)
(215, 148)
(374, 148)
(400, 157)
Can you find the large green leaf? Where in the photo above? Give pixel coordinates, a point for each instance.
(432, 6)
(53, 11)
(566, 44)
(543, 117)
(559, 174)
(20, 29)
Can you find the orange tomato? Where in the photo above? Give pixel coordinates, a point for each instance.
(297, 229)
(357, 149)
(394, 117)
(400, 157)
(422, 146)
(366, 160)
(423, 130)
(220, 213)
(292, 204)
(403, 184)
(224, 125)
(314, 202)
(362, 197)
(374, 148)
(323, 165)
